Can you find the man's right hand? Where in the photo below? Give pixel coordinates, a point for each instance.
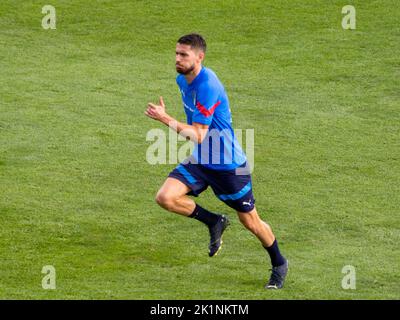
(156, 112)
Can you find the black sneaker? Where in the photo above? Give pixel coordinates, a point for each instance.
(278, 276)
(216, 235)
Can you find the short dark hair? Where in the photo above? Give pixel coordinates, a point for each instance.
(195, 40)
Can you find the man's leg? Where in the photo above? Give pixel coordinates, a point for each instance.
(172, 196)
(259, 228)
(263, 232)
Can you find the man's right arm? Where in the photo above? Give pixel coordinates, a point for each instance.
(195, 132)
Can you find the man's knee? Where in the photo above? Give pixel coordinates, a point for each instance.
(165, 200)
(249, 225)
(250, 222)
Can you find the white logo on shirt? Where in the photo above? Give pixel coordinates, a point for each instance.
(194, 98)
(187, 107)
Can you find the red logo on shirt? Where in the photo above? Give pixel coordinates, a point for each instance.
(204, 110)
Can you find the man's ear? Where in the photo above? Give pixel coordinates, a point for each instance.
(201, 55)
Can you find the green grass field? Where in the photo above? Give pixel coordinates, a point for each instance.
(77, 192)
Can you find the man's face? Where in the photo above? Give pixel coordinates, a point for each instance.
(186, 58)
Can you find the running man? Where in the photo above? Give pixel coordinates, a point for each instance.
(223, 168)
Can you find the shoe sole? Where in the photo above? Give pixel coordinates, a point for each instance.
(219, 249)
(275, 287)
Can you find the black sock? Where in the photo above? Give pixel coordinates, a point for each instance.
(204, 216)
(276, 258)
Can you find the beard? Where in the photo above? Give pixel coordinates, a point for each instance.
(183, 70)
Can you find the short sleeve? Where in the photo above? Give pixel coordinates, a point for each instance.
(206, 103)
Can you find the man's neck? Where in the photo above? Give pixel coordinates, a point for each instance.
(192, 75)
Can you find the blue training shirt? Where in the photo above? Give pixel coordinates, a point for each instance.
(205, 101)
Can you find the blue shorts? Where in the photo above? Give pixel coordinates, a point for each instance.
(235, 190)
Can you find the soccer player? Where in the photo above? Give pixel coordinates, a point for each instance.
(209, 118)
